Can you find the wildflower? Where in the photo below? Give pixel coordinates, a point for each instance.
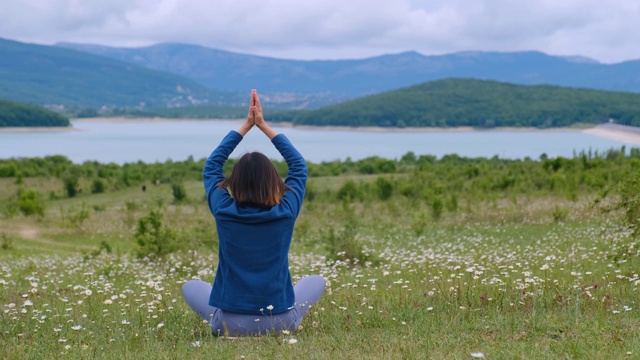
(196, 343)
(270, 307)
(108, 302)
(477, 355)
(76, 327)
(62, 340)
(88, 292)
(285, 332)
(430, 308)
(28, 303)
(161, 325)
(293, 341)
(125, 322)
(545, 267)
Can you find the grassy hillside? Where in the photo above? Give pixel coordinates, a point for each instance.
(16, 114)
(49, 75)
(479, 103)
(441, 259)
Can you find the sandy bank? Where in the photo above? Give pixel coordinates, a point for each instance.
(622, 133)
(34, 129)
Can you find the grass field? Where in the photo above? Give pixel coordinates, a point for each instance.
(508, 278)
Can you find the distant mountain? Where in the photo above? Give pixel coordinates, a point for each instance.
(19, 115)
(479, 103)
(339, 79)
(55, 76)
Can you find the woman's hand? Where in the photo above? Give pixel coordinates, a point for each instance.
(248, 124)
(258, 118)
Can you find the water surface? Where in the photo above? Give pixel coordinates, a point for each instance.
(149, 141)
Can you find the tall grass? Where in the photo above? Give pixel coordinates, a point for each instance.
(502, 274)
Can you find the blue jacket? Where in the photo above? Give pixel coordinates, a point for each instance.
(253, 263)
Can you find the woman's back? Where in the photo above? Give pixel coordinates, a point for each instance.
(255, 228)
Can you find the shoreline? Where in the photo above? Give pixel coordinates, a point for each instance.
(621, 133)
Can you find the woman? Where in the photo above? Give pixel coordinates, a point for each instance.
(252, 292)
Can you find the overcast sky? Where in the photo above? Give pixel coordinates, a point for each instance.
(605, 30)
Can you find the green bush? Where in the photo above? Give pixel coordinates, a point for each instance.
(30, 202)
(179, 193)
(71, 186)
(153, 238)
(349, 191)
(97, 186)
(384, 188)
(7, 242)
(436, 208)
(627, 200)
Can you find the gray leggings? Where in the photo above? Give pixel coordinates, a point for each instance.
(308, 291)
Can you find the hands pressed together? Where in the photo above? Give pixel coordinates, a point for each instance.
(256, 118)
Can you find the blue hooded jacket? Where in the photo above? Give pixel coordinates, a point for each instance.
(253, 263)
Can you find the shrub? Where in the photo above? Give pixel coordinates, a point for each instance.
(627, 192)
(71, 185)
(349, 191)
(30, 202)
(97, 186)
(436, 208)
(7, 242)
(179, 193)
(153, 238)
(384, 188)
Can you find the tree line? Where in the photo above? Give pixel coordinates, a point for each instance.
(479, 103)
(18, 114)
(442, 103)
(411, 175)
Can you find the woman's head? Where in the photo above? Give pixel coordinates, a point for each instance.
(254, 181)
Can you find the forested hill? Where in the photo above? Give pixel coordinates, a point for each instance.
(479, 103)
(16, 114)
(50, 75)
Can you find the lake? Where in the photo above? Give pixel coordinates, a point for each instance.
(152, 141)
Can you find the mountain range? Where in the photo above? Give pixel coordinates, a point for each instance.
(170, 75)
(223, 70)
(58, 77)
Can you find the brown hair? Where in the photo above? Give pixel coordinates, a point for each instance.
(254, 181)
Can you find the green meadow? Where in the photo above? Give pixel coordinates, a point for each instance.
(425, 258)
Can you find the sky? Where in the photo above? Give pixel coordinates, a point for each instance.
(604, 30)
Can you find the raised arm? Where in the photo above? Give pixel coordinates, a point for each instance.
(213, 172)
(296, 180)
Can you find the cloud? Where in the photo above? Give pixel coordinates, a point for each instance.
(336, 28)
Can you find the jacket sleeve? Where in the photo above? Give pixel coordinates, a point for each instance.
(213, 172)
(296, 180)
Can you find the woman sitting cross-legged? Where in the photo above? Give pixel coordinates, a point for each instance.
(252, 293)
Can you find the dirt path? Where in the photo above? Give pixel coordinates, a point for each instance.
(32, 234)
